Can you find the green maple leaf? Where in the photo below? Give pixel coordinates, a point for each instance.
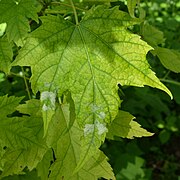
(124, 126)
(16, 13)
(8, 105)
(30, 148)
(64, 137)
(89, 59)
(13, 133)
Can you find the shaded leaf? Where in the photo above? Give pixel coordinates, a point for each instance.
(13, 133)
(152, 35)
(44, 165)
(15, 14)
(169, 58)
(28, 176)
(124, 126)
(16, 159)
(8, 105)
(134, 170)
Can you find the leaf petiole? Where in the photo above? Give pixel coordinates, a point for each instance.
(75, 13)
(25, 81)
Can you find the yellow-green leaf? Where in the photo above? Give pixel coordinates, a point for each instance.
(89, 59)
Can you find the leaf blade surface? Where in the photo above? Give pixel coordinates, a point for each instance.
(88, 59)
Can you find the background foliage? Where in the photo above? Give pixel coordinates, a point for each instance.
(155, 157)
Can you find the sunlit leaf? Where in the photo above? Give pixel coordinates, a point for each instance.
(89, 59)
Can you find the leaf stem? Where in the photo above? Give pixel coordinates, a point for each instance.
(170, 81)
(166, 75)
(75, 13)
(25, 81)
(18, 75)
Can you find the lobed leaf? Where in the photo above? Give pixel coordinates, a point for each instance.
(8, 105)
(89, 59)
(15, 14)
(17, 157)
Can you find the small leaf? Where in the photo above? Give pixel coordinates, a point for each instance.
(164, 136)
(124, 126)
(169, 58)
(8, 105)
(152, 35)
(15, 14)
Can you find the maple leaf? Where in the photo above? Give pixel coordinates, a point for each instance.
(23, 142)
(12, 130)
(15, 14)
(124, 126)
(89, 59)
